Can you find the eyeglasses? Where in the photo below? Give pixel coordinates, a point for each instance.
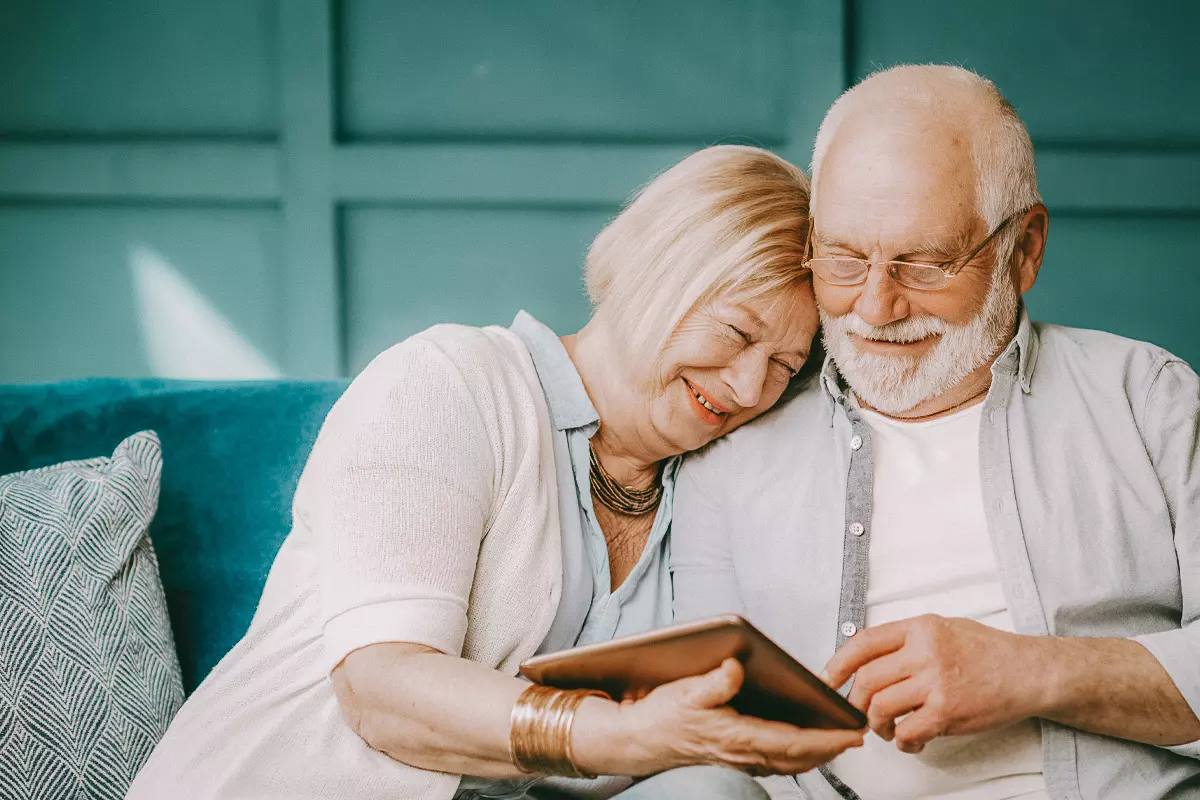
(846, 271)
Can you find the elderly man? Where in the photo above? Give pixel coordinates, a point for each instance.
(994, 523)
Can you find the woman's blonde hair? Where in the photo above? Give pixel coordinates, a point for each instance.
(724, 217)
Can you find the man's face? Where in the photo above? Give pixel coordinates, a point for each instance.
(907, 194)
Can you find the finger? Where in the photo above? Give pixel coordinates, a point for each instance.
(891, 703)
(878, 675)
(869, 644)
(811, 748)
(825, 744)
(917, 730)
(715, 688)
(765, 747)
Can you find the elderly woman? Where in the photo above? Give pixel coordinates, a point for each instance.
(479, 495)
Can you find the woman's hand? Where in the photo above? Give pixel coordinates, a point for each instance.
(689, 722)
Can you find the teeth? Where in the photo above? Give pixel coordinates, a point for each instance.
(707, 404)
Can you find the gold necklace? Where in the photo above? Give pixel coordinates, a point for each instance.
(621, 499)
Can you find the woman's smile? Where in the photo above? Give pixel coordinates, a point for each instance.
(704, 406)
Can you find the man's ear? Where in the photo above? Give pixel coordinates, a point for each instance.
(1031, 246)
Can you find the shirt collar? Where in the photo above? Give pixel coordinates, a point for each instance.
(567, 399)
(831, 381)
(1022, 350)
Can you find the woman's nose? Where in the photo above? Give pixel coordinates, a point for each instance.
(746, 375)
(881, 300)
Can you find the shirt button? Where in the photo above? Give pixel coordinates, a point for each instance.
(855, 442)
(849, 629)
(857, 529)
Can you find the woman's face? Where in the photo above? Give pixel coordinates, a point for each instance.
(728, 361)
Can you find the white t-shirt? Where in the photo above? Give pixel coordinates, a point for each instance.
(931, 553)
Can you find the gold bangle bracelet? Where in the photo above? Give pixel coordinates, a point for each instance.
(540, 731)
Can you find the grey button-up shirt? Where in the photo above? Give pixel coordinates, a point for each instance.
(1090, 464)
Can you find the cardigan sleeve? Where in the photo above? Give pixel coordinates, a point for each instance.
(400, 483)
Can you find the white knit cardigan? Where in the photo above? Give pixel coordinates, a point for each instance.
(427, 512)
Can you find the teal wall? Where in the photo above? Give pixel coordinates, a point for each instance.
(244, 188)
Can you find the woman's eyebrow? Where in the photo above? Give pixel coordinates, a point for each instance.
(800, 354)
(754, 317)
(761, 326)
(743, 317)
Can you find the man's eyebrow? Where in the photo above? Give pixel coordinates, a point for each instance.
(826, 241)
(941, 248)
(946, 249)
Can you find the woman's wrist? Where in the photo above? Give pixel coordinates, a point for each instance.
(603, 741)
(541, 740)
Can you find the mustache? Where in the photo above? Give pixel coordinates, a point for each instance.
(902, 331)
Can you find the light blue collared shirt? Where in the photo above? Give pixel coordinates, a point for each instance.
(589, 611)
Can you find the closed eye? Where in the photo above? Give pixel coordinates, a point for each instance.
(740, 333)
(792, 371)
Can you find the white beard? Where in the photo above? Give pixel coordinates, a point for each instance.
(895, 384)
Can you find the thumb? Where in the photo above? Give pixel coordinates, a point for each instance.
(718, 687)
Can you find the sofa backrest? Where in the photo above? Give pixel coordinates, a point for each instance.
(232, 454)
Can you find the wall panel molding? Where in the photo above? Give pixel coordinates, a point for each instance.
(201, 171)
(1134, 181)
(1125, 179)
(819, 51)
(516, 173)
(311, 283)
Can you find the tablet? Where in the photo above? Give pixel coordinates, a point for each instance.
(777, 687)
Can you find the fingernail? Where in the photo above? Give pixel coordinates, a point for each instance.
(825, 676)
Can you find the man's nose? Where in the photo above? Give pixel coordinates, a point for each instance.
(746, 376)
(881, 300)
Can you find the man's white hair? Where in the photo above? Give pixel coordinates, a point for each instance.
(1006, 179)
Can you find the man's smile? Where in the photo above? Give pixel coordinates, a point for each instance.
(888, 348)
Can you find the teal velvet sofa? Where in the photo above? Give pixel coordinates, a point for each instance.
(232, 454)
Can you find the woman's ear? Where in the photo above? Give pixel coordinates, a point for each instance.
(1031, 246)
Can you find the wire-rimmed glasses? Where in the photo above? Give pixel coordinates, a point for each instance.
(847, 271)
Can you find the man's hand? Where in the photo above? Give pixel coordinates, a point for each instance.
(950, 676)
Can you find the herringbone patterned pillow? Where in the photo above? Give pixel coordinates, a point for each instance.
(89, 679)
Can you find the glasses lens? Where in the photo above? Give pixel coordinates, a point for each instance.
(919, 276)
(839, 271)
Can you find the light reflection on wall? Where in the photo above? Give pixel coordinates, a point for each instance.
(183, 334)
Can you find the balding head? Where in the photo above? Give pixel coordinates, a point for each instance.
(951, 117)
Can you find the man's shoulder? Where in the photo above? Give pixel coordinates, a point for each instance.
(1101, 353)
(804, 408)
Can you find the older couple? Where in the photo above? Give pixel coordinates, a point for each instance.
(990, 525)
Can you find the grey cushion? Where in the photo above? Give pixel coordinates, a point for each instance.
(89, 679)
